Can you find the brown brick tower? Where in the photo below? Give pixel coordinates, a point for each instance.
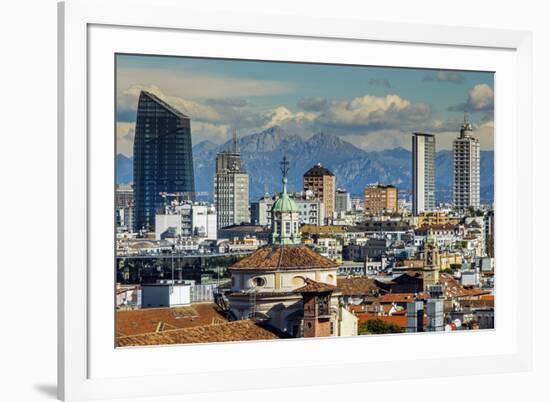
(316, 300)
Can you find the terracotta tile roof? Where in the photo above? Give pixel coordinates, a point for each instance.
(477, 304)
(400, 320)
(402, 297)
(133, 322)
(243, 330)
(357, 286)
(356, 308)
(312, 286)
(453, 288)
(283, 258)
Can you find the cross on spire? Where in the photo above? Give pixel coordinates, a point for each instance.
(284, 166)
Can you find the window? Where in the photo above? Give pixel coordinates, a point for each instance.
(298, 281)
(323, 305)
(258, 282)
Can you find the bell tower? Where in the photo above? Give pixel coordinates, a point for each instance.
(316, 301)
(431, 261)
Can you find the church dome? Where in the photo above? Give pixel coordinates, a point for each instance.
(280, 258)
(284, 203)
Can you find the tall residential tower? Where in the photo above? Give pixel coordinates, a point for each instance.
(231, 188)
(423, 172)
(163, 158)
(322, 183)
(466, 154)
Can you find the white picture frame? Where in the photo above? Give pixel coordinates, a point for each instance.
(90, 31)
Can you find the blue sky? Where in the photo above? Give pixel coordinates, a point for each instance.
(372, 107)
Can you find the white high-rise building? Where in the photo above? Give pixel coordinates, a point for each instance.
(310, 209)
(466, 157)
(186, 219)
(342, 200)
(231, 188)
(423, 172)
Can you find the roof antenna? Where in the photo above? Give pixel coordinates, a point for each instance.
(235, 141)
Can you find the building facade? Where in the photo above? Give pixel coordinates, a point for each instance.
(423, 172)
(322, 183)
(342, 201)
(380, 199)
(186, 219)
(466, 158)
(124, 206)
(231, 187)
(163, 158)
(310, 209)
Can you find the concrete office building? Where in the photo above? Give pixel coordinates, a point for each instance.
(342, 201)
(380, 199)
(423, 172)
(186, 219)
(310, 209)
(231, 188)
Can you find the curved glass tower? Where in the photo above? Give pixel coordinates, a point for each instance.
(163, 158)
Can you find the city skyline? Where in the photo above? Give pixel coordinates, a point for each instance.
(263, 236)
(374, 108)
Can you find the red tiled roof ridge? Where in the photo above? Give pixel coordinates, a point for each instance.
(277, 257)
(233, 331)
(167, 331)
(314, 286)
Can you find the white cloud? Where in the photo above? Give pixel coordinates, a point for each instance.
(375, 112)
(486, 134)
(481, 97)
(217, 133)
(369, 122)
(125, 138)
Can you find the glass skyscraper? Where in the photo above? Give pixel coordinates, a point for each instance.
(163, 158)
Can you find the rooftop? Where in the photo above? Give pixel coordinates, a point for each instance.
(133, 322)
(242, 330)
(400, 320)
(312, 286)
(453, 288)
(403, 297)
(357, 286)
(165, 105)
(283, 258)
(318, 171)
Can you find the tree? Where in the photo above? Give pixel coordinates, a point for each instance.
(377, 326)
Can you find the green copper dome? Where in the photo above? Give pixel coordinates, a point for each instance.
(284, 203)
